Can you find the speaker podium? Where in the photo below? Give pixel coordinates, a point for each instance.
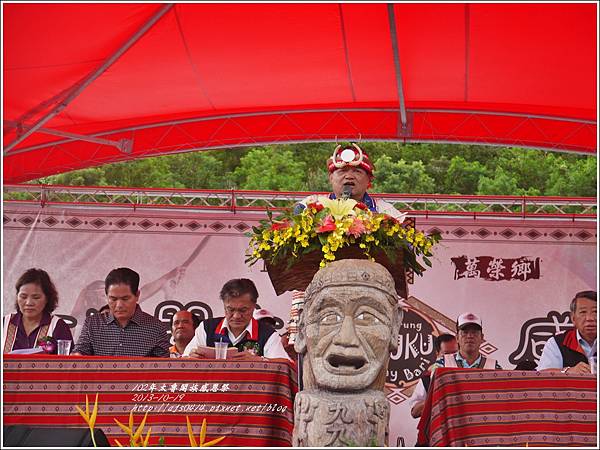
(25, 436)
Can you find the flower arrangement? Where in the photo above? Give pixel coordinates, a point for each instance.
(328, 225)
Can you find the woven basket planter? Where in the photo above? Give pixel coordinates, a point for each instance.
(299, 275)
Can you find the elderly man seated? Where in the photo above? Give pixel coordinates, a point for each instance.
(251, 338)
(575, 350)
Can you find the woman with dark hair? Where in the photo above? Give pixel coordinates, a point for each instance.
(36, 300)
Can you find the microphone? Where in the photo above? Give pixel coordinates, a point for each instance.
(346, 192)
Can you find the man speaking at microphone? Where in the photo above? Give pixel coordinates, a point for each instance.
(350, 175)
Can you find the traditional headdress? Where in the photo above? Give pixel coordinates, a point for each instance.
(350, 155)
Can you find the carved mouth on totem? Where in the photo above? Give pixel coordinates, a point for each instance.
(346, 364)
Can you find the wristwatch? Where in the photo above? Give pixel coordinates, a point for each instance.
(565, 369)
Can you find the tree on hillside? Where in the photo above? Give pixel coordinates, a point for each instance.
(463, 176)
(148, 172)
(407, 168)
(574, 180)
(502, 183)
(200, 171)
(91, 176)
(271, 168)
(531, 168)
(401, 177)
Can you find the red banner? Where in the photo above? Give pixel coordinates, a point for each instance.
(250, 403)
(477, 408)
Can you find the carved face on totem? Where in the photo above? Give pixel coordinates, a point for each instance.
(349, 326)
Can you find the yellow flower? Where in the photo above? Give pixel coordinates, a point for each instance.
(135, 438)
(202, 436)
(339, 208)
(90, 419)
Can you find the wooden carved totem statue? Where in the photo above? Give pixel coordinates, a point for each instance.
(347, 330)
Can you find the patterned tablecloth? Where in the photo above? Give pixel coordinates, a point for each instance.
(251, 403)
(476, 408)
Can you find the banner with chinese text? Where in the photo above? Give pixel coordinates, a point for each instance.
(519, 276)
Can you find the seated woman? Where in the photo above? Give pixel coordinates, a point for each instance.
(36, 299)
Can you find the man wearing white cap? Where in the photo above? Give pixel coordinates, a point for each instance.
(470, 338)
(266, 315)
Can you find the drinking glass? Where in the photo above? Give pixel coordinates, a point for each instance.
(221, 350)
(64, 346)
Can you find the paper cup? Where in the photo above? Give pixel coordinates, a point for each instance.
(221, 350)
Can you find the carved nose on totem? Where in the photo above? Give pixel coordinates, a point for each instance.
(347, 335)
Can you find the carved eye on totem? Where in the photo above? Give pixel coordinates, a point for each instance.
(331, 318)
(366, 318)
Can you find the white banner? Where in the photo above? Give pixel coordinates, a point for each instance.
(519, 276)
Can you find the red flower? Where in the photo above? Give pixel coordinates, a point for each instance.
(361, 205)
(357, 228)
(280, 225)
(48, 344)
(316, 205)
(328, 224)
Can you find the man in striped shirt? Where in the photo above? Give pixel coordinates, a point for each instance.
(126, 330)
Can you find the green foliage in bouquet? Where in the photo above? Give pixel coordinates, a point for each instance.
(328, 225)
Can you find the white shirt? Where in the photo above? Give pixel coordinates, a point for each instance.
(418, 395)
(552, 357)
(273, 347)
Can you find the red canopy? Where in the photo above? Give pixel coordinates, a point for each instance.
(89, 84)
